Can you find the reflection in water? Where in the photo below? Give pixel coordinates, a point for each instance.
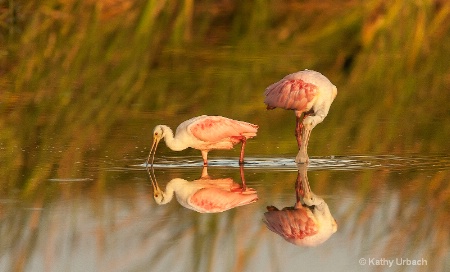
(205, 195)
(309, 222)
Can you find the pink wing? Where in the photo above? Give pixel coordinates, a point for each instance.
(216, 128)
(291, 224)
(211, 200)
(290, 93)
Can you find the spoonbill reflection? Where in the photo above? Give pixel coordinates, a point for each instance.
(205, 195)
(308, 223)
(205, 133)
(308, 93)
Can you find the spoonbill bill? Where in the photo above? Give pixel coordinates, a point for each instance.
(205, 133)
(309, 94)
(205, 195)
(308, 223)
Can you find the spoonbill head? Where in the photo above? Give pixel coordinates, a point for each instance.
(158, 194)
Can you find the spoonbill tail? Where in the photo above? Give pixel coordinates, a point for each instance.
(205, 133)
(309, 94)
(308, 223)
(205, 195)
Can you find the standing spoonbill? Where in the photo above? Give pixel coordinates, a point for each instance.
(308, 93)
(204, 133)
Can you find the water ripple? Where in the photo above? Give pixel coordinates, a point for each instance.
(69, 179)
(346, 163)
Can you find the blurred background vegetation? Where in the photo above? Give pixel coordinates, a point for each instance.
(85, 80)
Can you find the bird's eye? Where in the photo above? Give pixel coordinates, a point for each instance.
(156, 195)
(156, 133)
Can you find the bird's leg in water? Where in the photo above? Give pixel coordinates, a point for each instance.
(241, 171)
(299, 190)
(205, 157)
(299, 129)
(243, 189)
(302, 141)
(302, 156)
(303, 190)
(241, 157)
(205, 173)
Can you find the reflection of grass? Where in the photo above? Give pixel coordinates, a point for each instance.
(126, 230)
(76, 70)
(406, 221)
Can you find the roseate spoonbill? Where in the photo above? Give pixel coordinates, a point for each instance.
(205, 195)
(308, 223)
(205, 133)
(308, 93)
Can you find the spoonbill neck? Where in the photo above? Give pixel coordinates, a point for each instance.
(172, 186)
(167, 195)
(173, 142)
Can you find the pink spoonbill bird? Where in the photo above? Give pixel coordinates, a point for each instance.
(309, 94)
(308, 223)
(205, 195)
(205, 133)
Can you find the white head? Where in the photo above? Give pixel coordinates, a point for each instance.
(311, 199)
(159, 132)
(158, 194)
(311, 121)
(324, 216)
